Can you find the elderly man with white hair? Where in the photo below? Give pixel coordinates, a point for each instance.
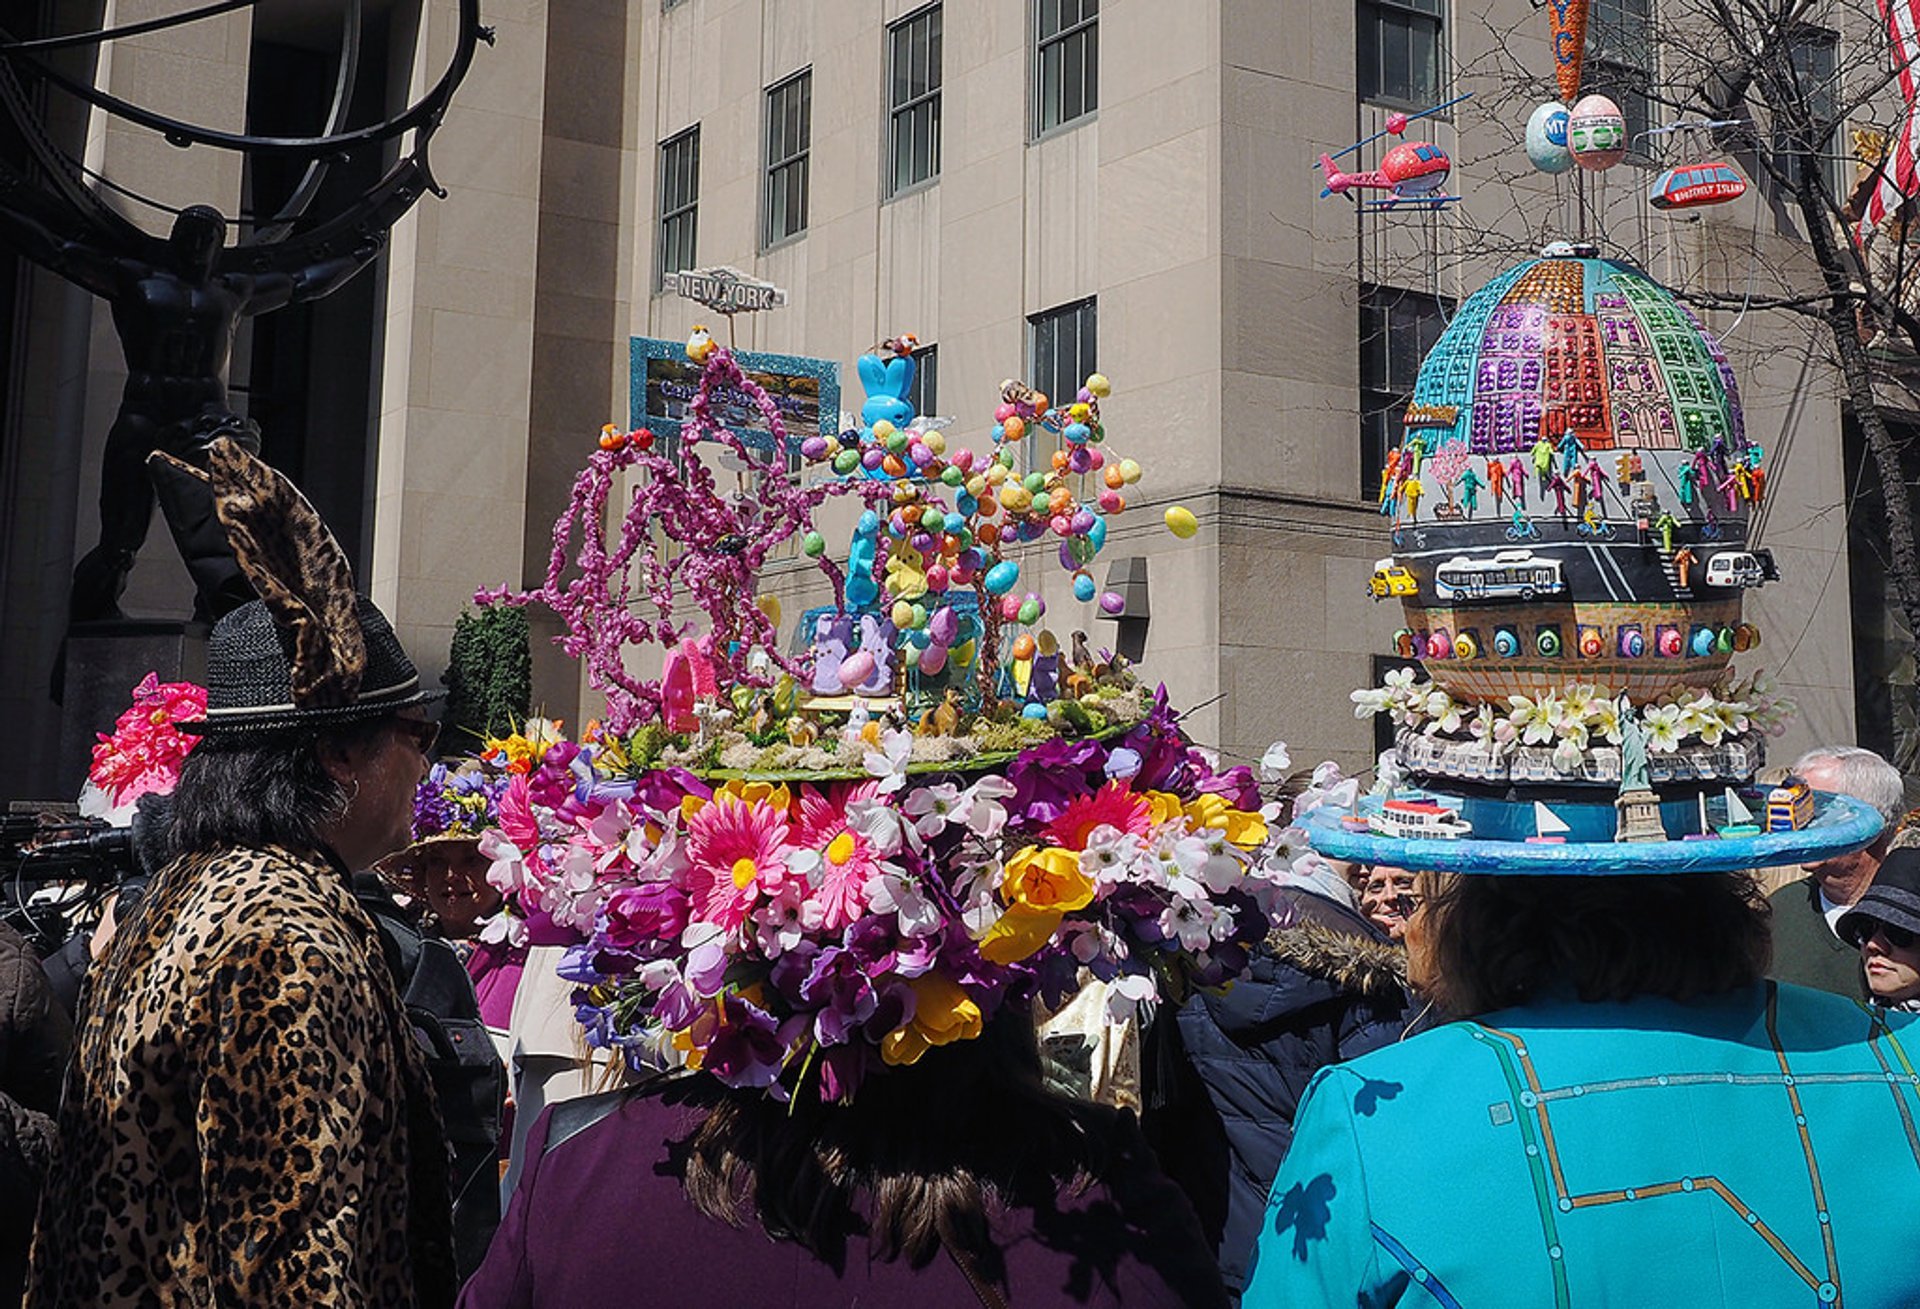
(1807, 948)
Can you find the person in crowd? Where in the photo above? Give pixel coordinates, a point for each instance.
(1884, 925)
(1327, 985)
(247, 1118)
(1387, 898)
(955, 1182)
(1629, 1114)
(35, 1035)
(1807, 949)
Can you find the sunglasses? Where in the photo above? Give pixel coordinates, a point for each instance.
(1900, 938)
(424, 733)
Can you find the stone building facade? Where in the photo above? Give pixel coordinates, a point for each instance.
(1032, 187)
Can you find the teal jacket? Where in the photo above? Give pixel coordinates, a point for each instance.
(1750, 1149)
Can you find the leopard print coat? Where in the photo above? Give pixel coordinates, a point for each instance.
(247, 1120)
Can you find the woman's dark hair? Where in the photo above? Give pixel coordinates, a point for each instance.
(930, 1148)
(262, 789)
(1487, 943)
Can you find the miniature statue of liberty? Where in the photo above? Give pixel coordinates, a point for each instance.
(1633, 750)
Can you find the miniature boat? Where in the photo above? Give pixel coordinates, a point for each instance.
(1739, 817)
(1693, 185)
(1410, 819)
(1548, 829)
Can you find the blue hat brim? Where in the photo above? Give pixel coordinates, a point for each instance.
(1840, 826)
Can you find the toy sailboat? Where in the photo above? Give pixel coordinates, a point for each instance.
(1547, 827)
(1739, 817)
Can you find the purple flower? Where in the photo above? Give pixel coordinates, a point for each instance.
(880, 948)
(1237, 785)
(745, 1049)
(1049, 776)
(577, 965)
(638, 915)
(839, 988)
(841, 1071)
(894, 1008)
(1122, 764)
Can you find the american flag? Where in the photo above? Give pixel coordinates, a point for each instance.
(1897, 172)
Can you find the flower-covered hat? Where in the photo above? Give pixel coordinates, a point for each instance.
(143, 754)
(769, 932)
(456, 803)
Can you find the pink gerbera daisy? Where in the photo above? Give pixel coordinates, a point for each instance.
(1113, 805)
(736, 852)
(846, 858)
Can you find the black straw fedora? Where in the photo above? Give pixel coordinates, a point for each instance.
(250, 677)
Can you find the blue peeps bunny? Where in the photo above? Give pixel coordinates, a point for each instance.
(887, 382)
(861, 589)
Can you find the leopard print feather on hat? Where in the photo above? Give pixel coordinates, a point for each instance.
(296, 566)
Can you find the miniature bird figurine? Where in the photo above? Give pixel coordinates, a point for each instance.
(701, 344)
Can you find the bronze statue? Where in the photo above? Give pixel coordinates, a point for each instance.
(175, 311)
(177, 301)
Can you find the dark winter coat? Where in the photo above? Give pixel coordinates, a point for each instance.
(35, 1037)
(1324, 988)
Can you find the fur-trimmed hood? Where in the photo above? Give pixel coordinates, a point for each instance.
(1357, 964)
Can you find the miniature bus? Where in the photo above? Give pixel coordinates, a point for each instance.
(1789, 806)
(1515, 574)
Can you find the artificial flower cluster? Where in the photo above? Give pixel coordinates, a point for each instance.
(144, 752)
(457, 799)
(770, 931)
(1570, 719)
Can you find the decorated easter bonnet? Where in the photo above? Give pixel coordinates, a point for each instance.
(1575, 515)
(453, 806)
(310, 652)
(791, 870)
(143, 753)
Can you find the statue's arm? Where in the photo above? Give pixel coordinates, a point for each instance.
(78, 262)
(273, 290)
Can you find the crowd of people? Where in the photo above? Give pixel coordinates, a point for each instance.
(296, 1077)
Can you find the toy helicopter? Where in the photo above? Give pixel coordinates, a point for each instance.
(1411, 173)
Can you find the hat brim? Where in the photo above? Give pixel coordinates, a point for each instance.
(404, 866)
(1879, 911)
(285, 718)
(1840, 826)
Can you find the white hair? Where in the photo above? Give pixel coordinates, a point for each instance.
(1864, 775)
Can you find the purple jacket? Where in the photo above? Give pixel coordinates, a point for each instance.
(602, 1219)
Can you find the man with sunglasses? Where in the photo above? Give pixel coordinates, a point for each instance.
(1807, 946)
(1885, 927)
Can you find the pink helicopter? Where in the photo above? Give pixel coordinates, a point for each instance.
(1411, 173)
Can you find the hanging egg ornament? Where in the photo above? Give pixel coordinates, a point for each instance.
(1181, 522)
(1597, 133)
(1547, 138)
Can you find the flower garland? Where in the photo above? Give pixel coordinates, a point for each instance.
(679, 533)
(1569, 719)
(772, 931)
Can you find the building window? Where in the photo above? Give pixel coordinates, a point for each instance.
(1815, 52)
(679, 200)
(1621, 64)
(924, 394)
(1061, 348)
(913, 100)
(789, 134)
(1067, 62)
(1397, 329)
(1400, 49)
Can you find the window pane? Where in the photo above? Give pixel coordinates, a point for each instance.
(932, 22)
(1424, 59)
(1396, 68)
(1049, 18)
(1090, 98)
(1368, 37)
(931, 112)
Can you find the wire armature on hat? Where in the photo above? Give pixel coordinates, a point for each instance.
(296, 566)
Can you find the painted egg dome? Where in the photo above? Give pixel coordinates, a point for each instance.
(1572, 502)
